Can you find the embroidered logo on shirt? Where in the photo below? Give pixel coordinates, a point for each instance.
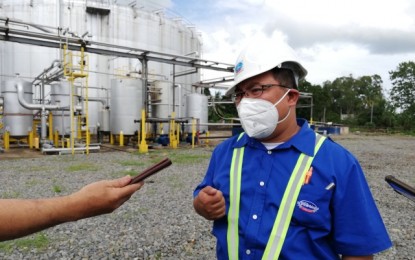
(307, 206)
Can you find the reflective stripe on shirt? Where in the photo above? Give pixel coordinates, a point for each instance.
(284, 215)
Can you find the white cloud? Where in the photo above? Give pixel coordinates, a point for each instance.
(334, 38)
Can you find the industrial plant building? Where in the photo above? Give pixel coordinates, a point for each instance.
(71, 70)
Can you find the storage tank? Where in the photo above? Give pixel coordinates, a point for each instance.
(139, 27)
(60, 95)
(197, 107)
(161, 98)
(17, 119)
(126, 105)
(104, 120)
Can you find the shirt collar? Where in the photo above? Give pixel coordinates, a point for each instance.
(304, 140)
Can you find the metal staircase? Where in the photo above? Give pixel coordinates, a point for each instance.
(75, 68)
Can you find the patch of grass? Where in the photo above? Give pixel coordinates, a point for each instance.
(57, 188)
(10, 195)
(83, 167)
(37, 241)
(39, 169)
(32, 182)
(175, 183)
(132, 163)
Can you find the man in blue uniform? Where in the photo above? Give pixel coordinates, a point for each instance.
(278, 190)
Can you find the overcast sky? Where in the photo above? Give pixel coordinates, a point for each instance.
(333, 38)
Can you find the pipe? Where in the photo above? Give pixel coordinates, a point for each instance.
(42, 107)
(31, 106)
(43, 125)
(103, 102)
(69, 150)
(179, 86)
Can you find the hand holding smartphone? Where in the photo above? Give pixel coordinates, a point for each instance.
(151, 170)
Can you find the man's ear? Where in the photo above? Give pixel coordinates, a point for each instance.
(293, 97)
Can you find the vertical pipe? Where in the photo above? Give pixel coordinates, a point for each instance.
(174, 83)
(179, 86)
(143, 147)
(144, 63)
(6, 140)
(43, 124)
(50, 121)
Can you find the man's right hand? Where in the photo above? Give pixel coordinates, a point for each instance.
(210, 203)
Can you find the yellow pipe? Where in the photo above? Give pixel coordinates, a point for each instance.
(193, 132)
(50, 121)
(30, 141)
(172, 136)
(121, 138)
(6, 139)
(143, 147)
(56, 138)
(207, 138)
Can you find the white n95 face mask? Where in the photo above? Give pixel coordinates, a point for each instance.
(259, 117)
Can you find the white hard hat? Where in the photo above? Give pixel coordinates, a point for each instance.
(262, 56)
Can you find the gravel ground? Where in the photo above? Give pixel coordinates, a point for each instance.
(158, 222)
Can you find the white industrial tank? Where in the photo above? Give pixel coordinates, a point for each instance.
(163, 104)
(17, 119)
(138, 27)
(197, 107)
(104, 120)
(126, 105)
(60, 95)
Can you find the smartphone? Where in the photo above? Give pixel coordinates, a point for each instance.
(151, 170)
(401, 187)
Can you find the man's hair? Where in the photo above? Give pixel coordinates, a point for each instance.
(284, 76)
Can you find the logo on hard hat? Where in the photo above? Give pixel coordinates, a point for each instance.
(239, 67)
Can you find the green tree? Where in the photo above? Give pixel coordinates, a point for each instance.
(369, 90)
(221, 108)
(313, 102)
(402, 94)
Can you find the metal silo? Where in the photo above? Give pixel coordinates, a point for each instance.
(126, 105)
(104, 120)
(162, 102)
(197, 107)
(17, 119)
(60, 95)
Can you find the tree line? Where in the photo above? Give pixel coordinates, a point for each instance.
(357, 102)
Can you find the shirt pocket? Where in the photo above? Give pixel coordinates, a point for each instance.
(312, 208)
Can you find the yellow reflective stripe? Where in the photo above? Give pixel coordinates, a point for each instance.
(234, 201)
(283, 219)
(281, 224)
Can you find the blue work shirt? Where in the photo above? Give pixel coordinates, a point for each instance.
(326, 223)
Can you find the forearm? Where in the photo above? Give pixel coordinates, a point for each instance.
(23, 217)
